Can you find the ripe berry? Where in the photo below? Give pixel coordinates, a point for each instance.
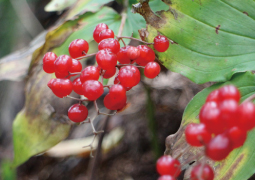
(146, 55)
(219, 147)
(92, 89)
(166, 177)
(213, 96)
(166, 165)
(76, 66)
(106, 59)
(229, 92)
(206, 173)
(246, 116)
(105, 34)
(122, 55)
(77, 86)
(62, 75)
(77, 113)
(114, 104)
(111, 44)
(129, 76)
(237, 136)
(197, 134)
(89, 73)
(133, 52)
(49, 84)
(117, 91)
(61, 87)
(78, 48)
(109, 73)
(62, 64)
(48, 62)
(151, 70)
(97, 31)
(161, 43)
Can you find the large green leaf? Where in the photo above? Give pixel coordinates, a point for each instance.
(241, 162)
(201, 52)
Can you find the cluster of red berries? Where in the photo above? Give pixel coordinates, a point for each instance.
(108, 56)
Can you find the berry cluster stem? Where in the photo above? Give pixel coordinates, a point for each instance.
(85, 56)
(126, 37)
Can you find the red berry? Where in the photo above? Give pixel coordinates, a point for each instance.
(77, 86)
(63, 64)
(62, 75)
(76, 66)
(97, 31)
(133, 52)
(106, 59)
(92, 89)
(78, 48)
(166, 177)
(197, 134)
(109, 73)
(117, 91)
(219, 147)
(61, 87)
(246, 116)
(105, 34)
(146, 55)
(116, 80)
(114, 104)
(202, 172)
(237, 136)
(89, 73)
(111, 44)
(166, 165)
(229, 92)
(161, 43)
(129, 76)
(48, 62)
(151, 70)
(122, 55)
(213, 96)
(77, 113)
(50, 83)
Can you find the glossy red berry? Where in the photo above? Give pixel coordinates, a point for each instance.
(161, 43)
(133, 52)
(76, 66)
(77, 113)
(48, 62)
(89, 73)
(109, 73)
(117, 91)
(106, 34)
(92, 89)
(129, 76)
(122, 55)
(61, 87)
(49, 84)
(213, 96)
(111, 44)
(166, 177)
(114, 104)
(97, 31)
(229, 92)
(146, 55)
(237, 136)
(166, 165)
(116, 79)
(197, 134)
(151, 70)
(62, 75)
(202, 172)
(106, 59)
(246, 116)
(219, 147)
(78, 48)
(63, 64)
(77, 86)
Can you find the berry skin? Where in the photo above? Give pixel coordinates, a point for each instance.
(122, 55)
(49, 84)
(246, 116)
(61, 87)
(166, 177)
(213, 96)
(76, 66)
(100, 27)
(106, 34)
(219, 147)
(166, 165)
(133, 52)
(117, 91)
(48, 62)
(205, 174)
(151, 70)
(146, 55)
(62, 64)
(77, 86)
(161, 43)
(229, 92)
(92, 89)
(197, 134)
(114, 104)
(111, 44)
(62, 75)
(106, 59)
(129, 76)
(89, 73)
(78, 48)
(237, 136)
(77, 113)
(109, 73)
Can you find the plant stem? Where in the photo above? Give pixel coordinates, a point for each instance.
(126, 37)
(252, 97)
(85, 56)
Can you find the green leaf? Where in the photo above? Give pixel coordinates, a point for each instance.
(241, 162)
(7, 171)
(201, 52)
